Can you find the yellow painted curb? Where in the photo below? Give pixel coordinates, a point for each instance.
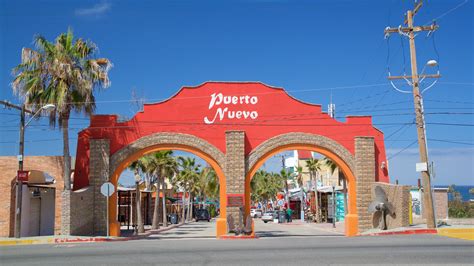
(25, 242)
(461, 233)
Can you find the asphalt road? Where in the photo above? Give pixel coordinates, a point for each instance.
(312, 250)
(204, 229)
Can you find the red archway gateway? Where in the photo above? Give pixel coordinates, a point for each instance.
(234, 126)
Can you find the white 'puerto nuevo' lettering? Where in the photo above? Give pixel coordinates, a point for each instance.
(221, 113)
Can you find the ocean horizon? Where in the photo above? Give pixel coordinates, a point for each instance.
(464, 190)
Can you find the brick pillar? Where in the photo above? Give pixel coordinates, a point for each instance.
(234, 169)
(66, 212)
(98, 175)
(365, 176)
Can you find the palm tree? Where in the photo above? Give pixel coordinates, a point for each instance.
(299, 177)
(212, 184)
(148, 166)
(138, 167)
(186, 179)
(273, 184)
(285, 175)
(313, 167)
(265, 186)
(64, 73)
(207, 185)
(166, 165)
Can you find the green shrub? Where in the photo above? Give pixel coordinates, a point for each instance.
(457, 208)
(212, 210)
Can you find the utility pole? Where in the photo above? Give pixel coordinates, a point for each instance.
(21, 153)
(410, 31)
(19, 183)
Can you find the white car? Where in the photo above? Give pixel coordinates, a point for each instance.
(255, 213)
(268, 217)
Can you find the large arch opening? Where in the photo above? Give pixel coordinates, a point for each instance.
(322, 145)
(121, 161)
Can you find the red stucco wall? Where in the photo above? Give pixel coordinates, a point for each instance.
(277, 113)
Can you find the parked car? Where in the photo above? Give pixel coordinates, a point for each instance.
(256, 213)
(268, 217)
(203, 214)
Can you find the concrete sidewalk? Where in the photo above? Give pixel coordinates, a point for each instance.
(456, 231)
(56, 240)
(62, 239)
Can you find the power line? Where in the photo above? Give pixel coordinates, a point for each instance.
(447, 12)
(276, 90)
(444, 101)
(398, 130)
(283, 118)
(452, 141)
(407, 147)
(157, 100)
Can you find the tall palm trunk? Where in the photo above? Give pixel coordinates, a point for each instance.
(183, 218)
(190, 206)
(140, 226)
(156, 223)
(287, 194)
(320, 211)
(165, 218)
(67, 157)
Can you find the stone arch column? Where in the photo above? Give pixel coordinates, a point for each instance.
(361, 166)
(109, 169)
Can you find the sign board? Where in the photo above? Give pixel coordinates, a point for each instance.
(235, 200)
(421, 167)
(281, 202)
(22, 176)
(107, 189)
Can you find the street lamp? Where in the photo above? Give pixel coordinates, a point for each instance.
(432, 63)
(19, 183)
(333, 206)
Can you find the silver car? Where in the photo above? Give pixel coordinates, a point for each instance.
(268, 217)
(255, 213)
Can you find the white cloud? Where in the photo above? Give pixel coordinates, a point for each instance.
(96, 10)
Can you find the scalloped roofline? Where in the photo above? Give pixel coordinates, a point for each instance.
(228, 82)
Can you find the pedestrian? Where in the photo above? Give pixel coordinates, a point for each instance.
(289, 212)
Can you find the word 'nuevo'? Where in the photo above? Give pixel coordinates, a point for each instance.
(222, 112)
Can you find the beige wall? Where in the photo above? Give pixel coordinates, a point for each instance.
(399, 196)
(53, 165)
(324, 174)
(441, 204)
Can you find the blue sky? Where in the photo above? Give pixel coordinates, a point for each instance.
(311, 48)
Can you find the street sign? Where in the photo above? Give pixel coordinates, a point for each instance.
(421, 167)
(281, 202)
(22, 176)
(107, 189)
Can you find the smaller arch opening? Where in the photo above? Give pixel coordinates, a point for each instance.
(311, 200)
